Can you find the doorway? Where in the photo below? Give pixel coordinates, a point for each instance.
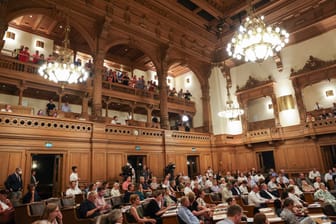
(328, 156)
(137, 162)
(48, 169)
(193, 166)
(266, 160)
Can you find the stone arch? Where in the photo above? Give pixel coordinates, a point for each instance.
(48, 12)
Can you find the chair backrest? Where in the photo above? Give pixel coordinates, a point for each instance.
(37, 208)
(79, 198)
(117, 201)
(54, 201)
(102, 219)
(68, 201)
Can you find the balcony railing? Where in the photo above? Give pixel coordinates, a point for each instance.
(16, 65)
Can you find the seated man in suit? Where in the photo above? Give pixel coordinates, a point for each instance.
(264, 193)
(255, 199)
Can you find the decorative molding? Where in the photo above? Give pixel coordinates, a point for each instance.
(312, 64)
(253, 83)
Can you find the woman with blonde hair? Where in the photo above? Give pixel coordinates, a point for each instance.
(53, 214)
(134, 216)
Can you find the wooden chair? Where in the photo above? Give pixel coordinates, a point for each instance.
(22, 214)
(79, 198)
(36, 208)
(215, 198)
(331, 185)
(68, 201)
(117, 201)
(179, 194)
(54, 201)
(309, 197)
(102, 219)
(70, 216)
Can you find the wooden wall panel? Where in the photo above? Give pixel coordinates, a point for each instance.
(114, 163)
(10, 160)
(156, 163)
(205, 161)
(83, 161)
(99, 166)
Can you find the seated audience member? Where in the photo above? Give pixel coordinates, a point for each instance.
(185, 214)
(277, 207)
(235, 188)
(73, 190)
(155, 208)
(7, 109)
(300, 178)
(264, 193)
(255, 199)
(288, 214)
(297, 190)
(154, 185)
(145, 186)
(135, 215)
(6, 207)
(115, 190)
(215, 188)
(31, 196)
(306, 187)
(100, 201)
(201, 202)
(260, 218)
(106, 186)
(317, 183)
(243, 188)
(128, 193)
(139, 191)
(325, 196)
(53, 214)
(167, 199)
(187, 188)
(313, 174)
(297, 201)
(273, 186)
(328, 209)
(234, 215)
(127, 182)
(87, 208)
(226, 192)
(115, 217)
(199, 211)
(328, 176)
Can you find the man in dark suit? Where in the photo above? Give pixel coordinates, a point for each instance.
(235, 188)
(14, 186)
(264, 193)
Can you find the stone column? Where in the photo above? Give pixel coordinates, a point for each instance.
(207, 124)
(97, 83)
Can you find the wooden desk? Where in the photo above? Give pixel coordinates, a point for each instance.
(170, 217)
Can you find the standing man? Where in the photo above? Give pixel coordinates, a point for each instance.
(14, 186)
(74, 176)
(33, 179)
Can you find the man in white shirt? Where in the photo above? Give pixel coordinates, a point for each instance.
(255, 199)
(313, 174)
(328, 176)
(297, 190)
(74, 176)
(73, 190)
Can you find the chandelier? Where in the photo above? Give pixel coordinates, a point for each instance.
(62, 69)
(231, 111)
(255, 41)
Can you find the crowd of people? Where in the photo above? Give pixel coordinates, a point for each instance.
(252, 187)
(323, 113)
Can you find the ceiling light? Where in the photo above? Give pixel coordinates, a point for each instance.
(63, 70)
(255, 41)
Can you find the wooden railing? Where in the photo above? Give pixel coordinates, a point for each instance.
(16, 65)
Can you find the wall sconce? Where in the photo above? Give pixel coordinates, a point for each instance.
(168, 81)
(10, 35)
(187, 80)
(270, 106)
(39, 44)
(285, 102)
(329, 93)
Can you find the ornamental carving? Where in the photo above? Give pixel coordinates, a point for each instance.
(253, 82)
(313, 64)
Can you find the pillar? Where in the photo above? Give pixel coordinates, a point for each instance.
(3, 25)
(85, 106)
(207, 124)
(21, 88)
(162, 78)
(97, 84)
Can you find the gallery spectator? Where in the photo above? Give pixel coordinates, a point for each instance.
(66, 107)
(51, 107)
(14, 186)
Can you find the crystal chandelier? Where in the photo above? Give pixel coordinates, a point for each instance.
(255, 41)
(62, 69)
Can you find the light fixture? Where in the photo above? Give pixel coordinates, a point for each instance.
(255, 41)
(231, 111)
(63, 70)
(185, 118)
